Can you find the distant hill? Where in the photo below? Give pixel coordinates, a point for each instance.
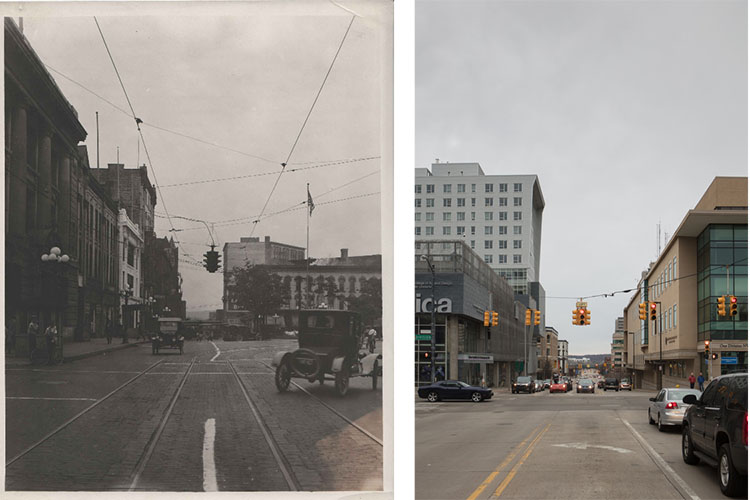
(595, 358)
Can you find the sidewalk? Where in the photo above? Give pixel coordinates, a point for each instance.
(79, 350)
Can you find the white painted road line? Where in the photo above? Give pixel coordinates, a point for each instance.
(681, 486)
(209, 466)
(218, 351)
(583, 446)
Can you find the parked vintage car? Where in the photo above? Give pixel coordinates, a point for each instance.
(169, 335)
(329, 349)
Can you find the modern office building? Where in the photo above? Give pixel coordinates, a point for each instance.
(706, 258)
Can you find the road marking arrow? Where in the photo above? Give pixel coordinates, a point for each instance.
(583, 446)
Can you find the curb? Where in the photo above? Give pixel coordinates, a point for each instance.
(67, 359)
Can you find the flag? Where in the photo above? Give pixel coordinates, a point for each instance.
(310, 204)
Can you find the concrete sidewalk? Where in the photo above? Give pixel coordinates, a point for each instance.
(80, 350)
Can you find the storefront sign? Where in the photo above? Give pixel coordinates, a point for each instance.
(733, 346)
(476, 358)
(444, 305)
(729, 360)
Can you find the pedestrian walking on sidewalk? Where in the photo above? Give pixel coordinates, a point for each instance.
(31, 333)
(50, 336)
(691, 379)
(700, 381)
(108, 331)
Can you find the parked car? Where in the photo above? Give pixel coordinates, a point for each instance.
(611, 383)
(585, 385)
(559, 386)
(625, 385)
(714, 430)
(453, 389)
(546, 383)
(600, 383)
(667, 407)
(523, 384)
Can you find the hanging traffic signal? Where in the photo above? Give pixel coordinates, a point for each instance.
(715, 355)
(582, 316)
(587, 317)
(495, 318)
(575, 316)
(486, 318)
(528, 317)
(537, 317)
(642, 314)
(211, 260)
(427, 355)
(652, 305)
(706, 348)
(721, 308)
(732, 305)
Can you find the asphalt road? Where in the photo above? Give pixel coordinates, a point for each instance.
(210, 419)
(552, 446)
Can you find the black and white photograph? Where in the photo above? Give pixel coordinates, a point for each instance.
(195, 210)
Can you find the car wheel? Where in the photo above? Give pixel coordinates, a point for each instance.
(476, 397)
(659, 424)
(283, 377)
(729, 477)
(432, 397)
(650, 420)
(342, 382)
(688, 452)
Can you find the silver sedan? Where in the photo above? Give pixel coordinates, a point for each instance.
(667, 407)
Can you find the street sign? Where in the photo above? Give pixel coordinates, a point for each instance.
(423, 336)
(428, 331)
(729, 360)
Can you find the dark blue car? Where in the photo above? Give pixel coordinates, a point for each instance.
(453, 389)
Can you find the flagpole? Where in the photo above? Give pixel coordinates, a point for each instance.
(307, 250)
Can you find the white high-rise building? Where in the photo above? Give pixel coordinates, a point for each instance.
(499, 216)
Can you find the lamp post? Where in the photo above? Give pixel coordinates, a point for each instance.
(150, 301)
(56, 255)
(432, 321)
(126, 294)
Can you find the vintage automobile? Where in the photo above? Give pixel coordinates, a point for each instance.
(169, 335)
(329, 345)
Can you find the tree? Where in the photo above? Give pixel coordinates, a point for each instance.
(256, 290)
(369, 303)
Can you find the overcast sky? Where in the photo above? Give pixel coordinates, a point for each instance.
(625, 110)
(245, 79)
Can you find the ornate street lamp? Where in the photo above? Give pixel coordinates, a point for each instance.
(55, 255)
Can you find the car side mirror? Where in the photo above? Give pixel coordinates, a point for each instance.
(652, 399)
(690, 399)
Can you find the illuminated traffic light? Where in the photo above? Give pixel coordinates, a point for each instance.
(732, 305)
(575, 316)
(581, 316)
(706, 348)
(495, 318)
(587, 317)
(642, 314)
(537, 317)
(715, 355)
(721, 308)
(652, 305)
(486, 318)
(427, 355)
(528, 317)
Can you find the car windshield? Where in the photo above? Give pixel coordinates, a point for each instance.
(625, 381)
(585, 381)
(678, 394)
(523, 380)
(463, 384)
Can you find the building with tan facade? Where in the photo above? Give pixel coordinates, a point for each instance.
(548, 361)
(705, 258)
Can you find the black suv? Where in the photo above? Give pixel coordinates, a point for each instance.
(714, 429)
(523, 384)
(611, 383)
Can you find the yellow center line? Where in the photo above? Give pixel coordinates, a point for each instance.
(497, 470)
(513, 471)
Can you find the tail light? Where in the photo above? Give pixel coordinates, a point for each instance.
(744, 431)
(671, 405)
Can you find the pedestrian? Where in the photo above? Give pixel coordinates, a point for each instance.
(31, 333)
(691, 379)
(11, 329)
(439, 373)
(50, 336)
(108, 331)
(124, 330)
(700, 381)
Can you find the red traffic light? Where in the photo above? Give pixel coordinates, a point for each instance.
(653, 305)
(733, 299)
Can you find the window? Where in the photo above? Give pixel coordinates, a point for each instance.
(502, 259)
(487, 230)
(417, 189)
(502, 216)
(473, 188)
(430, 202)
(503, 202)
(487, 244)
(417, 216)
(502, 244)
(472, 244)
(517, 202)
(446, 188)
(446, 202)
(473, 216)
(417, 203)
(429, 216)
(488, 202)
(488, 188)
(429, 231)
(516, 259)
(473, 202)
(517, 187)
(430, 188)
(488, 259)
(131, 254)
(674, 315)
(503, 188)
(517, 229)
(488, 216)
(502, 229)
(460, 230)
(516, 244)
(460, 215)
(446, 230)
(460, 202)
(473, 230)
(417, 231)
(446, 216)
(516, 215)
(461, 188)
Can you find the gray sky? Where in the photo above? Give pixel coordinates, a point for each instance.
(625, 110)
(243, 78)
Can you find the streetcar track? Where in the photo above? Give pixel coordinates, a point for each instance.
(79, 415)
